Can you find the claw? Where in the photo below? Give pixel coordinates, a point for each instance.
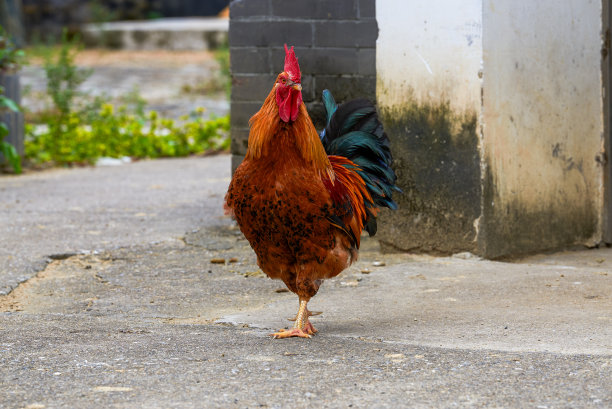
(310, 329)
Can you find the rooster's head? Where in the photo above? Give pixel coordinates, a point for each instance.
(289, 88)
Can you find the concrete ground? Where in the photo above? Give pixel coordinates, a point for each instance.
(127, 287)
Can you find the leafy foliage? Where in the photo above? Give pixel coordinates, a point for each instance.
(116, 132)
(64, 77)
(79, 128)
(11, 57)
(8, 150)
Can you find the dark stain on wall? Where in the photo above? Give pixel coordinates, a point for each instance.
(437, 160)
(511, 227)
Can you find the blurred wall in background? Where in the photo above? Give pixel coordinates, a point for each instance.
(44, 19)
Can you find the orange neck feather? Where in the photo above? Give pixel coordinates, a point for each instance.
(267, 131)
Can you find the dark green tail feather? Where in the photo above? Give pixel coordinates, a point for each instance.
(354, 131)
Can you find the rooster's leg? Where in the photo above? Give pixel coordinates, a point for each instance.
(302, 327)
(309, 314)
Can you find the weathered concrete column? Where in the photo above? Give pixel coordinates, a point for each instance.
(542, 125)
(428, 57)
(496, 116)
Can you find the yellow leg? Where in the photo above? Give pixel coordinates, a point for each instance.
(309, 314)
(301, 327)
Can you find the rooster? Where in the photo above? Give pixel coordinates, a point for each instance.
(302, 199)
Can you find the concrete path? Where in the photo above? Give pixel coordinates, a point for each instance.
(127, 287)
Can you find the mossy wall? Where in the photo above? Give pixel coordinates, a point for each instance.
(438, 166)
(428, 61)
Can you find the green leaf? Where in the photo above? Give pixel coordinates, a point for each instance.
(8, 103)
(3, 130)
(11, 155)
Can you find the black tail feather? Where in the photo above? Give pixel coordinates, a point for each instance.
(354, 131)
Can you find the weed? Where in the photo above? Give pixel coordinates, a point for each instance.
(6, 149)
(222, 55)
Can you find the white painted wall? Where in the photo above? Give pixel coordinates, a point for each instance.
(543, 105)
(432, 47)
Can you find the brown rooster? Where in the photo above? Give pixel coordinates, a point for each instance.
(301, 199)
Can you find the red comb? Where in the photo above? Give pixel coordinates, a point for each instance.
(291, 65)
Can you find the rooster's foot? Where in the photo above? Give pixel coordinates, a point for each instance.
(293, 332)
(302, 327)
(307, 331)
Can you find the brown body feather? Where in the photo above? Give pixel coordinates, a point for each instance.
(301, 211)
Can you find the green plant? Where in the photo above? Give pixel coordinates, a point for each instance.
(79, 129)
(11, 57)
(8, 150)
(64, 77)
(116, 132)
(222, 55)
(63, 81)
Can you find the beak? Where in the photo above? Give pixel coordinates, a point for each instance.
(294, 85)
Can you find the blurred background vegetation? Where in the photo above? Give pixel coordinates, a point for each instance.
(77, 127)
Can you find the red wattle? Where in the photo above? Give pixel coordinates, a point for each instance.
(288, 101)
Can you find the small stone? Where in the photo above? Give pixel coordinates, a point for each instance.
(365, 271)
(112, 389)
(352, 283)
(233, 260)
(217, 260)
(281, 290)
(257, 273)
(466, 255)
(379, 263)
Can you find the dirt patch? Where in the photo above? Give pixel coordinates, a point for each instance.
(67, 286)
